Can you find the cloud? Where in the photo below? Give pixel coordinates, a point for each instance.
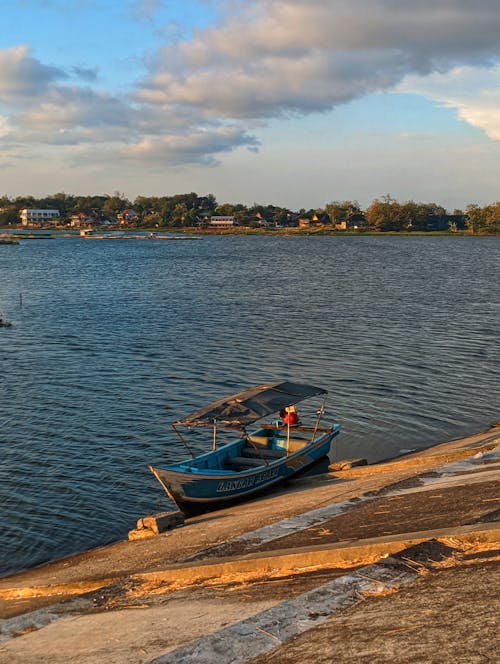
(72, 106)
(22, 77)
(4, 126)
(208, 94)
(88, 74)
(197, 147)
(107, 126)
(474, 92)
(277, 57)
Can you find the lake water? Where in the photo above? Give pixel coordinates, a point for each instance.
(114, 339)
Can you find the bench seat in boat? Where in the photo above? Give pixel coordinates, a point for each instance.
(294, 444)
(243, 463)
(261, 452)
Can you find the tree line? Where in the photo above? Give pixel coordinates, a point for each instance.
(187, 210)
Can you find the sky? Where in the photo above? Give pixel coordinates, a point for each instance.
(288, 102)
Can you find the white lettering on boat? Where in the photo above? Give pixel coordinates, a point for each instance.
(247, 482)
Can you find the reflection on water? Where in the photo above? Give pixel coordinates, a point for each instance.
(116, 339)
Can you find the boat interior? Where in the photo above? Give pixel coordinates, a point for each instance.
(260, 448)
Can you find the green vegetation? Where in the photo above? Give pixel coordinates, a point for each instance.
(187, 211)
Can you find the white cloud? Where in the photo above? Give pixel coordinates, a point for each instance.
(72, 106)
(45, 112)
(4, 126)
(196, 147)
(269, 58)
(279, 56)
(474, 92)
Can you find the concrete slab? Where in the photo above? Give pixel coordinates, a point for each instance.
(143, 614)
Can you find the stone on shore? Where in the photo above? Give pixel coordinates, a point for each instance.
(140, 533)
(345, 464)
(159, 523)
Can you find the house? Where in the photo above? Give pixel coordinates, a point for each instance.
(202, 219)
(305, 222)
(263, 223)
(31, 217)
(257, 219)
(127, 217)
(321, 218)
(315, 220)
(353, 222)
(80, 219)
(227, 221)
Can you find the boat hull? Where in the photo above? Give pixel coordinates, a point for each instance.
(192, 490)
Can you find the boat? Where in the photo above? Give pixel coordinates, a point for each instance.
(271, 453)
(4, 323)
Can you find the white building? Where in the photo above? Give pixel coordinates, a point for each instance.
(38, 217)
(222, 222)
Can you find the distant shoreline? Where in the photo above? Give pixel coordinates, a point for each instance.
(274, 232)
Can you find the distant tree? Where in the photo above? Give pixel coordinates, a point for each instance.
(475, 217)
(225, 209)
(385, 214)
(61, 201)
(486, 219)
(423, 216)
(207, 203)
(116, 203)
(9, 212)
(341, 210)
(142, 205)
(280, 217)
(25, 202)
(179, 215)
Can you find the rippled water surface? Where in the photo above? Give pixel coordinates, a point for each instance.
(115, 339)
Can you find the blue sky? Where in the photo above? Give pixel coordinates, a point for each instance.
(292, 102)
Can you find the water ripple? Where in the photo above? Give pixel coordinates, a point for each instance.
(114, 340)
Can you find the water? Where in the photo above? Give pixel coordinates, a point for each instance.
(115, 339)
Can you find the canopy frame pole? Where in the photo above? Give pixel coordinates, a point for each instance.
(214, 436)
(320, 412)
(181, 437)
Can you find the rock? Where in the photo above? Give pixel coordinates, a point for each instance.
(141, 533)
(159, 523)
(345, 464)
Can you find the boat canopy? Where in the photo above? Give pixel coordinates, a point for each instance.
(254, 403)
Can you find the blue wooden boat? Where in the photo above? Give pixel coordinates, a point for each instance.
(269, 454)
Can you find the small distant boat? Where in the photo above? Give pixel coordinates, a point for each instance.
(255, 461)
(5, 323)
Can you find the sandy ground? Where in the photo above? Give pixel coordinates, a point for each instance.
(113, 605)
